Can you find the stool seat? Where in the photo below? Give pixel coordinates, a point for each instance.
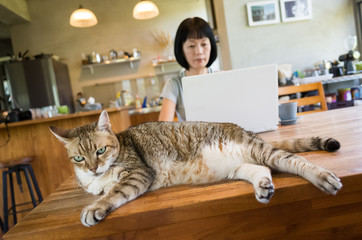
(14, 162)
(18, 166)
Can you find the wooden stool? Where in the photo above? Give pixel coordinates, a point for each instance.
(17, 166)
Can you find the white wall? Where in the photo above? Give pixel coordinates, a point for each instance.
(301, 43)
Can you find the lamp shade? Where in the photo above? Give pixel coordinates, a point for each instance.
(83, 18)
(145, 10)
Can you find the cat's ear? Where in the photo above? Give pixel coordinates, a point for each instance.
(103, 122)
(61, 134)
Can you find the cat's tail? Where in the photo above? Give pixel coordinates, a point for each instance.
(308, 144)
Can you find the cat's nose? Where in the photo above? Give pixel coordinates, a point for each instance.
(94, 169)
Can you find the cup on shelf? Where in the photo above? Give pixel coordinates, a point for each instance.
(49, 111)
(344, 94)
(64, 109)
(36, 113)
(355, 92)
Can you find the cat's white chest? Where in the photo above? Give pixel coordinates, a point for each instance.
(96, 184)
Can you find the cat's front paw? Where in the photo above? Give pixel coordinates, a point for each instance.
(328, 182)
(264, 190)
(93, 214)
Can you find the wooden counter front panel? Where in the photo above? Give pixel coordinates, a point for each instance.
(225, 210)
(142, 118)
(51, 164)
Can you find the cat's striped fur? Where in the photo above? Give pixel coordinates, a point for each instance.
(160, 154)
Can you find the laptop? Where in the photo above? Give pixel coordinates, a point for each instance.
(247, 97)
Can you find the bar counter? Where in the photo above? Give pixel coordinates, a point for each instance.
(65, 116)
(227, 210)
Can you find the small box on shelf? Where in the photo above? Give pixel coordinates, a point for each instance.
(340, 104)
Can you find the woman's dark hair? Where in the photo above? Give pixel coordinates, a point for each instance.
(195, 28)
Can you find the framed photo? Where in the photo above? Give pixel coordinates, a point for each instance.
(296, 10)
(262, 13)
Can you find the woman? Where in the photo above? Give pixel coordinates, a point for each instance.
(195, 50)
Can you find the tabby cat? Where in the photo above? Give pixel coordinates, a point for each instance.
(123, 166)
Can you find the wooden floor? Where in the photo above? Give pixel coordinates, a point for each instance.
(227, 210)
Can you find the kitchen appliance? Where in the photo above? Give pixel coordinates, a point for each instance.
(39, 83)
(336, 70)
(16, 115)
(350, 43)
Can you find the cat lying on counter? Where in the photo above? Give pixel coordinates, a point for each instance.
(122, 166)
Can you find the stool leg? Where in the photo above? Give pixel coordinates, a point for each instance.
(1, 224)
(35, 183)
(13, 205)
(18, 179)
(25, 168)
(5, 204)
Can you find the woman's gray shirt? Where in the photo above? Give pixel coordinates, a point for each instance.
(173, 91)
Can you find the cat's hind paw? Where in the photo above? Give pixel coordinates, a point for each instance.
(93, 214)
(265, 190)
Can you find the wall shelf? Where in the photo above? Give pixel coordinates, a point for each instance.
(166, 67)
(343, 78)
(130, 61)
(162, 62)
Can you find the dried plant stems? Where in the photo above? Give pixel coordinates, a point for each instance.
(163, 38)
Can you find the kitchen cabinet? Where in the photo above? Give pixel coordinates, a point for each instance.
(142, 115)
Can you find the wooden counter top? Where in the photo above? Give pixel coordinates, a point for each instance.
(65, 116)
(137, 116)
(227, 210)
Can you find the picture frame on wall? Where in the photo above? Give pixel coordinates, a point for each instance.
(262, 13)
(296, 10)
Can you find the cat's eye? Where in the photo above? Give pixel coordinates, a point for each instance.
(78, 158)
(101, 150)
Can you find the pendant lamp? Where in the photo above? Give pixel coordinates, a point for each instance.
(83, 18)
(145, 10)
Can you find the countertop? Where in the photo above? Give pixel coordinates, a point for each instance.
(144, 110)
(131, 111)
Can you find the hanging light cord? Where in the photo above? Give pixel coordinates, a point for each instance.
(7, 130)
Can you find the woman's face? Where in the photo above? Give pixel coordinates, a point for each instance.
(197, 52)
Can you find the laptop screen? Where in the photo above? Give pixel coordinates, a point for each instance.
(247, 97)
